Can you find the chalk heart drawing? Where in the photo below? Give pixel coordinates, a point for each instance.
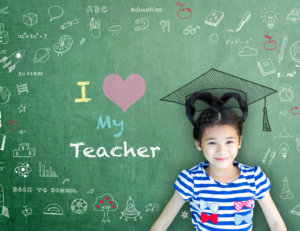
(124, 94)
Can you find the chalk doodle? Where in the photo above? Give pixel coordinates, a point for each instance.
(270, 45)
(105, 203)
(3, 209)
(12, 60)
(26, 211)
(22, 88)
(30, 19)
(1, 166)
(214, 18)
(284, 148)
(283, 112)
(284, 133)
(130, 211)
(91, 191)
(248, 51)
(152, 207)
(24, 189)
(65, 180)
(24, 151)
(294, 15)
(79, 206)
(107, 121)
(95, 27)
(165, 23)
(245, 19)
(23, 169)
(22, 131)
(3, 52)
(82, 41)
(266, 155)
(286, 192)
(213, 38)
(298, 143)
(32, 73)
(83, 99)
(32, 36)
(3, 10)
(149, 9)
(53, 209)
(269, 17)
(183, 13)
(145, 23)
(266, 66)
(189, 30)
(272, 157)
(67, 24)
(42, 55)
(286, 93)
(10, 125)
(55, 12)
(115, 29)
(0, 120)
(295, 108)
(184, 214)
(21, 108)
(129, 91)
(282, 49)
(57, 190)
(64, 44)
(294, 51)
(296, 210)
(5, 95)
(3, 35)
(287, 75)
(97, 9)
(45, 172)
(237, 41)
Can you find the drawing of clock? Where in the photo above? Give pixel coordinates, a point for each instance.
(64, 44)
(286, 93)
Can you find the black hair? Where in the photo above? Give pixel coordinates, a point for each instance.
(216, 114)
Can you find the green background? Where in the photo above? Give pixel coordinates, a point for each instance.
(166, 61)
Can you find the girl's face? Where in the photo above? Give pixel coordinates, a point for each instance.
(220, 145)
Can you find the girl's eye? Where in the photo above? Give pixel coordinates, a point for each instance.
(211, 143)
(230, 141)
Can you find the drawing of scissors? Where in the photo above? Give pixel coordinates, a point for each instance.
(2, 11)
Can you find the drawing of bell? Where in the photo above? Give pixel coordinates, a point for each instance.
(130, 212)
(286, 193)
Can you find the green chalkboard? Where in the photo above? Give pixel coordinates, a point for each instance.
(83, 128)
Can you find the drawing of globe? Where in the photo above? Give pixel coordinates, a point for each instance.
(41, 55)
(4, 95)
(79, 206)
(295, 48)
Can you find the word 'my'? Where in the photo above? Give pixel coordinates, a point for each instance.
(107, 121)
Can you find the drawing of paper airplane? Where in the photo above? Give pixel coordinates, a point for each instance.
(12, 60)
(3, 209)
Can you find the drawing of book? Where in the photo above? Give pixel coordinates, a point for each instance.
(214, 18)
(266, 66)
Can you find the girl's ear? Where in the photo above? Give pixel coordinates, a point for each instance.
(241, 141)
(198, 145)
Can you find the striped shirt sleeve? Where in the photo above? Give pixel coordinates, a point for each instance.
(262, 183)
(185, 185)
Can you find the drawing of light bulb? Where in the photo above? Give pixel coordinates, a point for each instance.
(298, 143)
(284, 149)
(270, 18)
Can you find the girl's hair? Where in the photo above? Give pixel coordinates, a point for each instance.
(216, 114)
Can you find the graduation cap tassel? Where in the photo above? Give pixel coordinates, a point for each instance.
(266, 124)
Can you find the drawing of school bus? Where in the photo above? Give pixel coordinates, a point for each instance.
(294, 15)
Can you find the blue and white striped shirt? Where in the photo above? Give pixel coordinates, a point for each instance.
(219, 206)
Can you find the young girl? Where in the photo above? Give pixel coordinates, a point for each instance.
(221, 191)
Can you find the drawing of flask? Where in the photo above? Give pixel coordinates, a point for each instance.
(286, 193)
(95, 28)
(298, 143)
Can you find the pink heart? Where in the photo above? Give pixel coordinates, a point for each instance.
(124, 94)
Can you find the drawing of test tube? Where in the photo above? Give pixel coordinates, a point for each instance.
(298, 143)
(95, 28)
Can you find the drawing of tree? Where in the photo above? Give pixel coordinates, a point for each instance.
(105, 203)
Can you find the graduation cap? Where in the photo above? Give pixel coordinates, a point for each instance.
(218, 83)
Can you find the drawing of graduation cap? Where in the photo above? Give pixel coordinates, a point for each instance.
(219, 83)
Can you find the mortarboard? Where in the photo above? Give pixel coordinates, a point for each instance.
(218, 83)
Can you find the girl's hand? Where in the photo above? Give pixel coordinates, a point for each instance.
(271, 213)
(169, 213)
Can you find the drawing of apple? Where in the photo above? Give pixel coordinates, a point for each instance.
(11, 127)
(184, 12)
(269, 45)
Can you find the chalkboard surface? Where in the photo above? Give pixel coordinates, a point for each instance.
(86, 143)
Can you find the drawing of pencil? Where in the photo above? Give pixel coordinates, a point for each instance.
(266, 156)
(282, 49)
(272, 157)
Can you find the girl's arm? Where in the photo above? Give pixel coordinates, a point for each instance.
(271, 213)
(169, 213)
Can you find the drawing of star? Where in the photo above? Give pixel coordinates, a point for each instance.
(21, 108)
(149, 207)
(184, 215)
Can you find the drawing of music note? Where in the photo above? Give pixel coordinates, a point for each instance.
(90, 191)
(67, 179)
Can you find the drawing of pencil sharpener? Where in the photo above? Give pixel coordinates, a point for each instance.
(294, 15)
